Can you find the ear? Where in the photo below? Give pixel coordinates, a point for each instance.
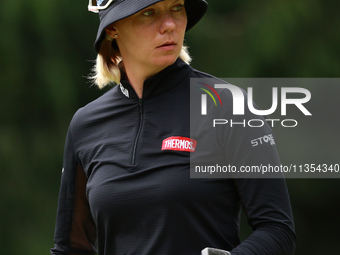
(111, 31)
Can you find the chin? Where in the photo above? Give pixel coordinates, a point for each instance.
(166, 61)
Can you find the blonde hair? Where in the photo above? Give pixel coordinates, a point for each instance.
(108, 65)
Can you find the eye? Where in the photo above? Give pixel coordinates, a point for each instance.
(148, 13)
(178, 8)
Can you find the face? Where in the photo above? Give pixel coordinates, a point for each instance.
(151, 39)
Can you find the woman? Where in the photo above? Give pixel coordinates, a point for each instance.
(124, 189)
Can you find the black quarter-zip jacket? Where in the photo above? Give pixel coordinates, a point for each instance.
(121, 194)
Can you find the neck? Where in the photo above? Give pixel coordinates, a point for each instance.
(137, 76)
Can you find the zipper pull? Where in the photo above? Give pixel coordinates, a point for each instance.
(140, 105)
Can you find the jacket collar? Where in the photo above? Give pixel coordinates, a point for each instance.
(160, 83)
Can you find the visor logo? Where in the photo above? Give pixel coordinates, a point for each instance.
(99, 2)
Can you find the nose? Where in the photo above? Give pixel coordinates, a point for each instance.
(167, 23)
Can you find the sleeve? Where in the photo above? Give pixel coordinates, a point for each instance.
(75, 231)
(265, 200)
(266, 204)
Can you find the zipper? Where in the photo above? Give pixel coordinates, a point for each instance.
(139, 131)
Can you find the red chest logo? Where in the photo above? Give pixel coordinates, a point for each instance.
(178, 143)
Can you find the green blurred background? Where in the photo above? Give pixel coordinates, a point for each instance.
(46, 51)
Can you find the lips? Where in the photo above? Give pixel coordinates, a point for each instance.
(169, 45)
